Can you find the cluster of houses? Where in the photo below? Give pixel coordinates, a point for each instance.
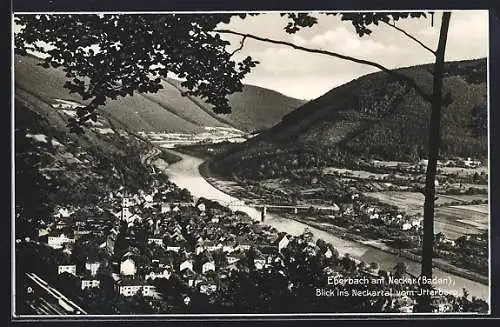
(201, 246)
(141, 240)
(465, 163)
(405, 176)
(404, 222)
(198, 244)
(359, 209)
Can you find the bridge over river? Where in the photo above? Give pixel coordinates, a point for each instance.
(185, 174)
(237, 204)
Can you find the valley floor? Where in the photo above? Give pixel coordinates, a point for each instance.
(195, 174)
(455, 217)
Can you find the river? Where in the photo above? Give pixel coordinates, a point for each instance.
(185, 174)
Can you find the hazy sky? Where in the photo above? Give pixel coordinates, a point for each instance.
(307, 76)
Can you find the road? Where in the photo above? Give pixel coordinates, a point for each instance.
(147, 157)
(185, 174)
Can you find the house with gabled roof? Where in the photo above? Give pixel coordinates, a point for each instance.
(71, 269)
(207, 288)
(186, 264)
(57, 241)
(92, 266)
(128, 267)
(130, 287)
(208, 266)
(155, 240)
(173, 248)
(282, 241)
(232, 259)
(243, 243)
(158, 273)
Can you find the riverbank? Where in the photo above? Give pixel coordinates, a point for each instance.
(402, 253)
(215, 180)
(186, 174)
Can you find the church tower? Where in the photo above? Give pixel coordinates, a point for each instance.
(126, 204)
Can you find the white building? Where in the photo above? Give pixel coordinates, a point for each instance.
(127, 202)
(165, 208)
(128, 268)
(283, 243)
(231, 260)
(154, 275)
(58, 241)
(125, 213)
(148, 198)
(416, 222)
(472, 163)
(131, 290)
(71, 269)
(43, 232)
(201, 207)
(259, 263)
(208, 266)
(90, 283)
(213, 247)
(423, 162)
(157, 241)
(406, 226)
(173, 248)
(93, 267)
(199, 249)
(186, 265)
(208, 289)
(63, 213)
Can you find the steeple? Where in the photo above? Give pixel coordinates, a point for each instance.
(126, 204)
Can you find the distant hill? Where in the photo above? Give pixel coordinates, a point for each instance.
(255, 108)
(377, 116)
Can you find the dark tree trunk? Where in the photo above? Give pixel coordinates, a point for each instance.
(434, 139)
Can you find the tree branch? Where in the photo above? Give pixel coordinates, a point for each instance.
(393, 73)
(242, 43)
(411, 37)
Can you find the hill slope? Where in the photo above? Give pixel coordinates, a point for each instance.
(377, 116)
(254, 108)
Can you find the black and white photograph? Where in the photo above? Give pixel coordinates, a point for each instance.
(250, 164)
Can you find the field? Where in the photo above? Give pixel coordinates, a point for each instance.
(463, 197)
(453, 221)
(412, 202)
(444, 170)
(459, 220)
(481, 208)
(463, 171)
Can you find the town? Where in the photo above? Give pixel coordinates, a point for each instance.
(377, 203)
(160, 251)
